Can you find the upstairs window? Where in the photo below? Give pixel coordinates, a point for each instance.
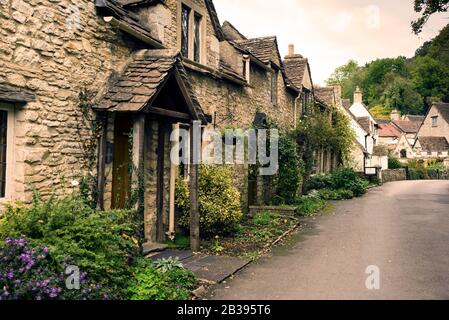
(191, 33)
(246, 71)
(274, 87)
(435, 121)
(197, 40)
(185, 15)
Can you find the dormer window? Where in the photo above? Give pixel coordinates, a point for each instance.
(435, 121)
(274, 87)
(191, 33)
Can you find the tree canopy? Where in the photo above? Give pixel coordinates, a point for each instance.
(427, 8)
(409, 85)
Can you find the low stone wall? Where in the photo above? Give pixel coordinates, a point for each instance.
(282, 211)
(394, 175)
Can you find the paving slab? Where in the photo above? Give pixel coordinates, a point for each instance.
(212, 269)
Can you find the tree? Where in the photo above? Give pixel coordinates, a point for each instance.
(381, 112)
(400, 94)
(427, 8)
(343, 73)
(431, 79)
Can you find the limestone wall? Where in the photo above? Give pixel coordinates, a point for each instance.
(53, 48)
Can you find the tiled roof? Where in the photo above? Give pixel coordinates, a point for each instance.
(365, 123)
(443, 108)
(346, 103)
(295, 68)
(261, 48)
(231, 33)
(408, 126)
(410, 117)
(142, 81)
(326, 94)
(388, 130)
(434, 144)
(214, 19)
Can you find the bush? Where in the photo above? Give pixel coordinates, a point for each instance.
(28, 273)
(219, 201)
(102, 244)
(319, 182)
(394, 163)
(309, 205)
(341, 194)
(166, 281)
(348, 179)
(288, 180)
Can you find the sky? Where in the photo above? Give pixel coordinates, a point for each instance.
(330, 32)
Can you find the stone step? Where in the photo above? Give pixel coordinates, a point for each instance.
(151, 247)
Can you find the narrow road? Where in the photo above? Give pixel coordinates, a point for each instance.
(401, 227)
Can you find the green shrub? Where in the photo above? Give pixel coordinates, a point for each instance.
(345, 178)
(341, 194)
(288, 180)
(309, 205)
(394, 163)
(219, 201)
(166, 280)
(263, 218)
(319, 182)
(102, 244)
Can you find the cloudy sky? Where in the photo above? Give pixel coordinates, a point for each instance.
(330, 32)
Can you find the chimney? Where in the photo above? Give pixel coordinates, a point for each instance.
(358, 98)
(395, 115)
(291, 49)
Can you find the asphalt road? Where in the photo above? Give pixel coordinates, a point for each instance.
(401, 227)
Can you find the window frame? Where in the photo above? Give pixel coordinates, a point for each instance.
(195, 11)
(274, 87)
(435, 121)
(10, 109)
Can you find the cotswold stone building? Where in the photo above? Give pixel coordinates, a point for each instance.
(150, 66)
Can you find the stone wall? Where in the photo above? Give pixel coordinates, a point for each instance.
(53, 48)
(393, 175)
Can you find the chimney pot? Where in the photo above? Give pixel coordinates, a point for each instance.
(358, 98)
(291, 49)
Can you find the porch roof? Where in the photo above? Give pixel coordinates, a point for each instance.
(143, 80)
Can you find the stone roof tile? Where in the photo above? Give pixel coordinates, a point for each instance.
(434, 144)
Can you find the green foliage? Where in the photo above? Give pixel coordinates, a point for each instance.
(340, 194)
(219, 201)
(381, 112)
(394, 163)
(409, 85)
(288, 180)
(264, 218)
(99, 243)
(309, 205)
(434, 164)
(400, 94)
(155, 283)
(348, 179)
(320, 181)
(427, 8)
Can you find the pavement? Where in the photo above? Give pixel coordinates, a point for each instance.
(401, 228)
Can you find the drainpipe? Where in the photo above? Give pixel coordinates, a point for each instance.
(173, 172)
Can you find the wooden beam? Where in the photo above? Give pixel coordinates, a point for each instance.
(169, 113)
(102, 142)
(160, 235)
(138, 150)
(194, 206)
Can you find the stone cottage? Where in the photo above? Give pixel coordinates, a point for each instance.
(150, 66)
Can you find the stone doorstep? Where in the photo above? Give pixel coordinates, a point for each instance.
(208, 269)
(151, 247)
(283, 211)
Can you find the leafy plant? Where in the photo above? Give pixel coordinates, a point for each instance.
(345, 178)
(394, 163)
(309, 205)
(341, 194)
(102, 244)
(30, 273)
(219, 201)
(165, 265)
(152, 283)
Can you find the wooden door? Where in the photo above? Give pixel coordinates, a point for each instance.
(122, 162)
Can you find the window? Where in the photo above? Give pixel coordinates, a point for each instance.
(274, 87)
(191, 32)
(185, 14)
(6, 144)
(404, 154)
(197, 40)
(246, 71)
(3, 150)
(435, 121)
